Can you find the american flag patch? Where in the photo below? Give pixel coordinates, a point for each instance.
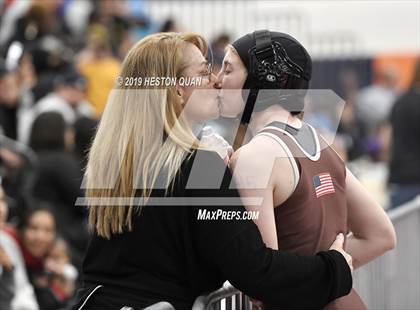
(323, 184)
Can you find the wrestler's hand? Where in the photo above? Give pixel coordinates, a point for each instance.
(338, 245)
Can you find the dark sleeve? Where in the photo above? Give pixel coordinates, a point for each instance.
(295, 282)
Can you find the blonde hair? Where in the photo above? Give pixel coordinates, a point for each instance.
(140, 134)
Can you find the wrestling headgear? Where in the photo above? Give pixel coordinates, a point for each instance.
(275, 61)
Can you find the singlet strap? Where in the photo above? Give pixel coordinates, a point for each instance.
(305, 137)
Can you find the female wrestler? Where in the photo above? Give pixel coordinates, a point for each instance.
(287, 162)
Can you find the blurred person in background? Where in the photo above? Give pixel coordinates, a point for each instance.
(67, 98)
(35, 235)
(404, 174)
(9, 100)
(10, 12)
(58, 179)
(16, 292)
(218, 51)
(17, 78)
(169, 25)
(7, 279)
(17, 166)
(84, 131)
(37, 20)
(17, 158)
(98, 66)
(76, 14)
(351, 129)
(374, 103)
(373, 106)
(16, 174)
(50, 58)
(62, 274)
(116, 17)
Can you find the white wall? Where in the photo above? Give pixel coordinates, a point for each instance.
(328, 28)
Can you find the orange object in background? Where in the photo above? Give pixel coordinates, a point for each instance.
(100, 75)
(404, 64)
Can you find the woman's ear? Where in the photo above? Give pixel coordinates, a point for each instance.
(180, 92)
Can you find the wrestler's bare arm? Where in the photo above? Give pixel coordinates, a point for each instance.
(372, 232)
(252, 170)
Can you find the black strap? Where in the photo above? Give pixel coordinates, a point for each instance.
(263, 48)
(249, 106)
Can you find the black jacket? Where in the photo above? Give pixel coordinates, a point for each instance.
(172, 256)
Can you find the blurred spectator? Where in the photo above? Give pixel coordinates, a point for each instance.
(16, 293)
(17, 167)
(84, 130)
(68, 99)
(99, 67)
(35, 236)
(218, 51)
(58, 180)
(115, 17)
(41, 18)
(9, 100)
(11, 166)
(351, 129)
(12, 11)
(16, 159)
(17, 77)
(50, 58)
(374, 102)
(141, 23)
(76, 15)
(63, 275)
(169, 25)
(27, 71)
(405, 155)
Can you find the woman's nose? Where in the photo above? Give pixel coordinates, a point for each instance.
(217, 81)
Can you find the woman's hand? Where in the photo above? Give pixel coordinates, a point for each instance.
(217, 143)
(338, 245)
(54, 267)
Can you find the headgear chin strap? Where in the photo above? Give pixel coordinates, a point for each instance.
(270, 67)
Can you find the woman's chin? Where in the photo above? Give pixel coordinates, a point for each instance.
(203, 118)
(214, 115)
(230, 109)
(228, 113)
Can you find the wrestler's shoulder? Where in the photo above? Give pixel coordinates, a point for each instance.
(259, 150)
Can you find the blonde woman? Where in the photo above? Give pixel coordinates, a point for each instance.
(149, 245)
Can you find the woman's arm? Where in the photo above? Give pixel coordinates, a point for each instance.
(372, 232)
(236, 249)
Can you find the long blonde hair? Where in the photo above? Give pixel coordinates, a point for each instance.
(140, 133)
